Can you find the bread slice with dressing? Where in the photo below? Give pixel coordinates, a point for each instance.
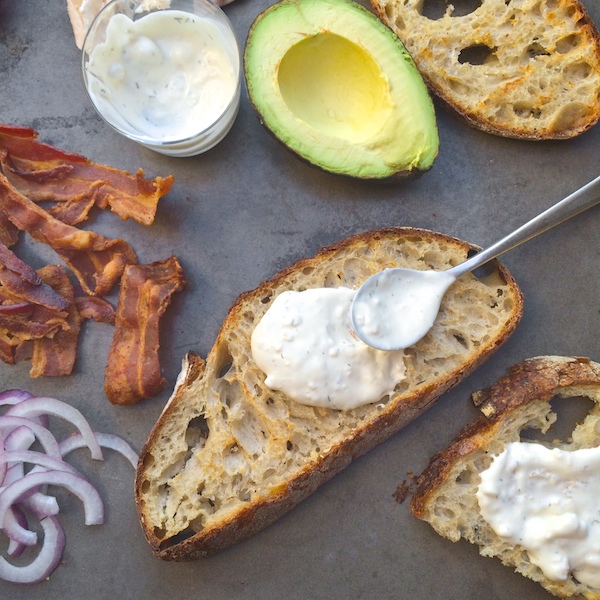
(516, 405)
(228, 455)
(517, 68)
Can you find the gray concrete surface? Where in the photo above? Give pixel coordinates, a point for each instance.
(235, 216)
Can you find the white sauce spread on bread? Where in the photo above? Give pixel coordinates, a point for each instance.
(168, 75)
(547, 501)
(306, 346)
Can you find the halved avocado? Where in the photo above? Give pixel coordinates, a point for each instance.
(337, 87)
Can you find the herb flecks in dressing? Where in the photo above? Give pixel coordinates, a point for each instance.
(306, 346)
(168, 75)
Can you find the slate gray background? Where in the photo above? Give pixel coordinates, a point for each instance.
(235, 216)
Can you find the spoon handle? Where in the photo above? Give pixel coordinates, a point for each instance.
(577, 202)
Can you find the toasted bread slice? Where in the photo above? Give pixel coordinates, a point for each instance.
(445, 493)
(81, 14)
(516, 68)
(228, 456)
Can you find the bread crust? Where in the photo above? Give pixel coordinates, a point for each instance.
(519, 400)
(529, 88)
(375, 426)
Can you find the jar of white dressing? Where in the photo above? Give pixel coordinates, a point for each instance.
(164, 73)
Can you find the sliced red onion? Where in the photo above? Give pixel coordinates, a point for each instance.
(16, 548)
(44, 563)
(41, 459)
(25, 421)
(17, 531)
(41, 505)
(3, 465)
(83, 489)
(8, 423)
(14, 396)
(13, 473)
(20, 438)
(41, 405)
(106, 440)
(77, 485)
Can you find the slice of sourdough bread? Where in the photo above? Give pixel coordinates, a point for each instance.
(515, 405)
(228, 455)
(516, 68)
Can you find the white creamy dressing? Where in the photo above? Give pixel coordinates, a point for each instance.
(547, 501)
(306, 346)
(168, 75)
(398, 307)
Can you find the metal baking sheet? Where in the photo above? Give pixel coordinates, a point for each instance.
(234, 217)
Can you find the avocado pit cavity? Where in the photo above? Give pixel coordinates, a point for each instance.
(335, 86)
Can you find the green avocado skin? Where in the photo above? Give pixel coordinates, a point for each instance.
(299, 51)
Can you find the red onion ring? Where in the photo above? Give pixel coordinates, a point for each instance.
(106, 440)
(24, 421)
(16, 548)
(77, 485)
(44, 436)
(20, 438)
(3, 465)
(17, 531)
(41, 505)
(39, 458)
(46, 560)
(40, 405)
(14, 396)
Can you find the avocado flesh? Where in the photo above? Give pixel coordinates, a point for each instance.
(337, 87)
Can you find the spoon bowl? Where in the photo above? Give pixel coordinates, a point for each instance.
(393, 300)
(395, 308)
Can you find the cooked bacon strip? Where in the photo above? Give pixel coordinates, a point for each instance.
(28, 310)
(32, 322)
(21, 308)
(19, 282)
(10, 261)
(9, 234)
(95, 309)
(96, 261)
(55, 356)
(72, 212)
(7, 352)
(29, 307)
(133, 369)
(44, 173)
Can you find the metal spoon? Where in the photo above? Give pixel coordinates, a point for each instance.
(396, 307)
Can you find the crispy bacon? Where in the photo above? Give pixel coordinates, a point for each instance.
(11, 262)
(29, 308)
(72, 212)
(55, 356)
(7, 351)
(19, 280)
(44, 173)
(95, 309)
(96, 261)
(133, 369)
(9, 234)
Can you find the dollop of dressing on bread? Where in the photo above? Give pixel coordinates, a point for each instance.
(546, 501)
(306, 346)
(168, 75)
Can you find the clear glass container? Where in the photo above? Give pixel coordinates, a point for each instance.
(171, 83)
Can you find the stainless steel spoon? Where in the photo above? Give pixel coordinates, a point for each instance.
(396, 307)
